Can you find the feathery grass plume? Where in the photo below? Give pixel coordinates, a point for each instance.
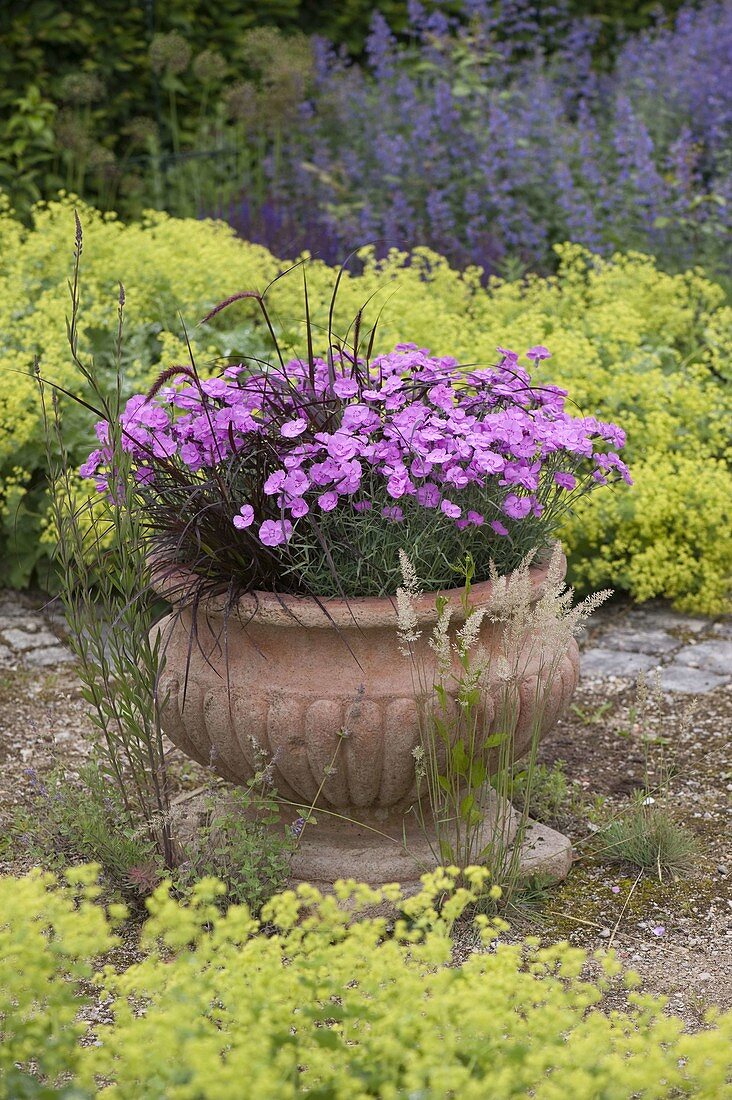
(440, 642)
(467, 635)
(511, 592)
(410, 580)
(409, 591)
(467, 759)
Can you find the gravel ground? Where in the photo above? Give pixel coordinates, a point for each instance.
(676, 934)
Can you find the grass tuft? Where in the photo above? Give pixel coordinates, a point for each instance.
(647, 837)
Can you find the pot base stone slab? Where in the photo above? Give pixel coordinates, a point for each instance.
(545, 852)
(397, 849)
(347, 850)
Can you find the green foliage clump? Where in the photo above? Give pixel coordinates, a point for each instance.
(324, 1004)
(49, 940)
(83, 820)
(238, 842)
(85, 91)
(646, 836)
(632, 345)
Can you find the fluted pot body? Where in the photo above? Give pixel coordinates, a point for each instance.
(321, 694)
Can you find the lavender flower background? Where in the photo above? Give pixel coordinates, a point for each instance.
(492, 140)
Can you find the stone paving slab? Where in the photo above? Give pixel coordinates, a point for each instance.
(27, 637)
(682, 678)
(22, 640)
(692, 654)
(715, 656)
(49, 656)
(14, 605)
(601, 662)
(663, 618)
(655, 642)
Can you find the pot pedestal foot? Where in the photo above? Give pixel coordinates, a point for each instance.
(346, 850)
(545, 852)
(380, 852)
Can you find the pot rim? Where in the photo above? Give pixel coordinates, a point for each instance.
(176, 583)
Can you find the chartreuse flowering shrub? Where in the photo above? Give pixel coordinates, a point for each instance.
(49, 939)
(631, 344)
(325, 1005)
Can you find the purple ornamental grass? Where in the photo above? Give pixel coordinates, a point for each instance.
(309, 476)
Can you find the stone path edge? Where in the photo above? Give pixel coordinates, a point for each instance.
(690, 654)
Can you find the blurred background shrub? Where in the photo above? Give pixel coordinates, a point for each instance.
(488, 130)
(492, 141)
(632, 344)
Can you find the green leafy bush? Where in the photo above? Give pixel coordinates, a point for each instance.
(75, 86)
(632, 344)
(323, 1005)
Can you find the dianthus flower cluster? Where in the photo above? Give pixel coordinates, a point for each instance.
(422, 429)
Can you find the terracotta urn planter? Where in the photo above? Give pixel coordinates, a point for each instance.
(321, 694)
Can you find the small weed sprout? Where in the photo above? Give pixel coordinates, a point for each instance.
(550, 795)
(239, 842)
(76, 819)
